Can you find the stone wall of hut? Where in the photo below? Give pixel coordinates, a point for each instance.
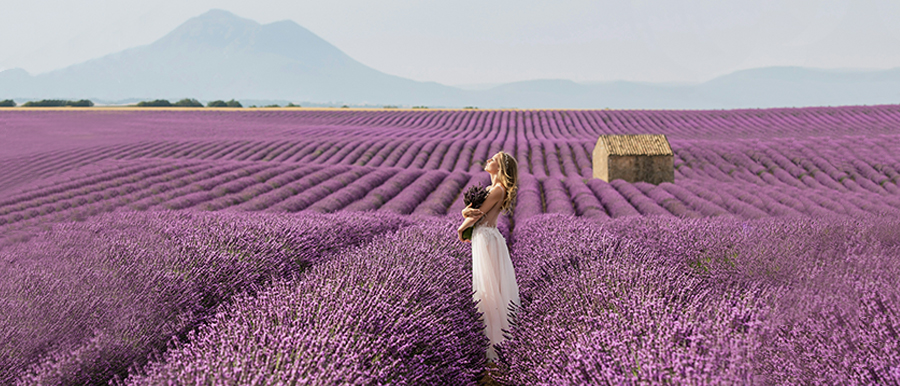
(654, 169)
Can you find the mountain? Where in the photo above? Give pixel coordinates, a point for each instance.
(218, 55)
(753, 88)
(797, 86)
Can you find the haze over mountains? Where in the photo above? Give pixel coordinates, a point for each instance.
(218, 55)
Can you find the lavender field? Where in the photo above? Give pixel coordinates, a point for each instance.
(319, 247)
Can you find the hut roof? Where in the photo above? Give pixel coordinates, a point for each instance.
(637, 144)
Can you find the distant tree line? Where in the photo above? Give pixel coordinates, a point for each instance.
(231, 103)
(50, 103)
(155, 103)
(188, 102)
(290, 104)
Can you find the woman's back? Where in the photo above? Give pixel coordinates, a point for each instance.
(490, 217)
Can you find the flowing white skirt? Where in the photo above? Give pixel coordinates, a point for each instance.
(494, 283)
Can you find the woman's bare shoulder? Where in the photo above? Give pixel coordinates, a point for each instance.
(500, 188)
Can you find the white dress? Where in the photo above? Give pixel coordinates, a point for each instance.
(494, 282)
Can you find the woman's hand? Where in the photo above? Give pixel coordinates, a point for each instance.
(472, 212)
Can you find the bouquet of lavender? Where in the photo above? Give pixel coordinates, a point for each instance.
(474, 196)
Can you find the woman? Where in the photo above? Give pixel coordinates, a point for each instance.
(493, 278)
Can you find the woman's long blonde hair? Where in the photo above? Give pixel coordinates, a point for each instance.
(508, 175)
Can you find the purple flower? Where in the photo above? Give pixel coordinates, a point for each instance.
(475, 196)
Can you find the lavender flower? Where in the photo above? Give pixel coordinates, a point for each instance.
(473, 197)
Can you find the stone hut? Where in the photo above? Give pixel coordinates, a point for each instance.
(641, 157)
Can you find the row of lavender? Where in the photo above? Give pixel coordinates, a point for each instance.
(397, 311)
(84, 301)
(872, 158)
(642, 300)
(556, 158)
(241, 186)
(777, 301)
(554, 124)
(531, 125)
(255, 186)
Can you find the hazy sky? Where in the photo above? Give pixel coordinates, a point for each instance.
(469, 42)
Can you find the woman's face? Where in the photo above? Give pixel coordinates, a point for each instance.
(493, 164)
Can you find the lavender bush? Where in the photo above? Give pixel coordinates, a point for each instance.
(397, 311)
(706, 301)
(407, 200)
(442, 197)
(85, 300)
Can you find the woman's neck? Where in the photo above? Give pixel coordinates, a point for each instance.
(495, 183)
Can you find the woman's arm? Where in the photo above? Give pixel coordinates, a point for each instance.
(494, 197)
(468, 211)
(466, 224)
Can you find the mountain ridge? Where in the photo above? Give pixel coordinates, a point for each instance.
(218, 55)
